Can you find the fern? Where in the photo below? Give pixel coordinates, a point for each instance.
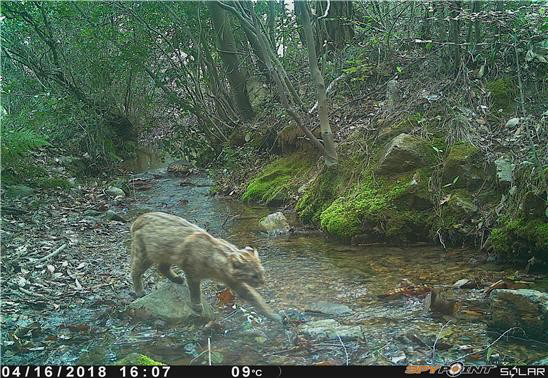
(18, 143)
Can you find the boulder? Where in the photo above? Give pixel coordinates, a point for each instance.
(404, 153)
(330, 329)
(275, 223)
(113, 191)
(524, 308)
(464, 167)
(170, 303)
(505, 169)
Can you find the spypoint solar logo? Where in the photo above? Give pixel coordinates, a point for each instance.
(453, 370)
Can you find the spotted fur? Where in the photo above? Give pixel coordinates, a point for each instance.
(165, 240)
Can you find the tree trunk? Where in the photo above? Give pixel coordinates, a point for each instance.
(327, 136)
(336, 27)
(454, 13)
(228, 53)
(271, 23)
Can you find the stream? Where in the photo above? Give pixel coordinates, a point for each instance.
(303, 269)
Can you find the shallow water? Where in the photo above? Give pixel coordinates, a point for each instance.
(303, 269)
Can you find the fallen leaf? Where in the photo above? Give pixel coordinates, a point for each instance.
(225, 296)
(77, 284)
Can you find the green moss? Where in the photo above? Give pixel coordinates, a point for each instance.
(462, 152)
(464, 167)
(519, 240)
(319, 195)
(278, 181)
(138, 359)
(503, 91)
(405, 125)
(53, 182)
(373, 205)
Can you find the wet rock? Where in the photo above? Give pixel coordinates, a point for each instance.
(294, 315)
(404, 153)
(543, 362)
(327, 308)
(113, 192)
(330, 329)
(111, 215)
(399, 359)
(524, 308)
(170, 303)
(18, 191)
(138, 359)
(275, 223)
(465, 283)
(362, 239)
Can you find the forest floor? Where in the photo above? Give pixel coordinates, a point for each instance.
(65, 289)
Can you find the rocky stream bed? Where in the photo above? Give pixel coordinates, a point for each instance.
(66, 292)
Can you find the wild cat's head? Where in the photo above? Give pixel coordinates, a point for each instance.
(247, 266)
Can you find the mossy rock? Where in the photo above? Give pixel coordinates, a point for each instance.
(417, 195)
(464, 167)
(138, 359)
(278, 182)
(455, 216)
(517, 240)
(319, 195)
(503, 93)
(405, 153)
(375, 208)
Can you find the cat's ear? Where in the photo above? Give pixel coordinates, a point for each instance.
(252, 251)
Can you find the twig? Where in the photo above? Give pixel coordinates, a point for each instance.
(490, 345)
(327, 91)
(28, 292)
(54, 253)
(190, 363)
(209, 349)
(344, 347)
(229, 218)
(436, 341)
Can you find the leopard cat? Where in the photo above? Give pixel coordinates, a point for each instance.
(180, 168)
(166, 240)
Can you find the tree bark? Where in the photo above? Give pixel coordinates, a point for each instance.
(330, 153)
(228, 53)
